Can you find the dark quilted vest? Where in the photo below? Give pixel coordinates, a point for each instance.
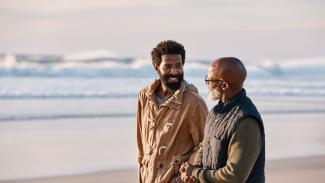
(220, 125)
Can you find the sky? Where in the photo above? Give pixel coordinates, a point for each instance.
(248, 29)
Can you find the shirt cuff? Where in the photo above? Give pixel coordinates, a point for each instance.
(196, 173)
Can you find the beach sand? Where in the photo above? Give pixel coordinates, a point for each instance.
(297, 170)
(72, 146)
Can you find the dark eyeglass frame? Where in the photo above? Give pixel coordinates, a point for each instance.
(207, 81)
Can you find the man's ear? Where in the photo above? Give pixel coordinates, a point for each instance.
(224, 85)
(156, 67)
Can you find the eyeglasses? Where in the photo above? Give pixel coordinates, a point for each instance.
(207, 81)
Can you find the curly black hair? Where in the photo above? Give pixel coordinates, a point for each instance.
(167, 47)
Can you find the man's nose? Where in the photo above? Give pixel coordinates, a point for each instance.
(174, 71)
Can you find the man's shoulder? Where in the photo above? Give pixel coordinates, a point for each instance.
(148, 89)
(191, 95)
(249, 126)
(192, 92)
(144, 89)
(143, 92)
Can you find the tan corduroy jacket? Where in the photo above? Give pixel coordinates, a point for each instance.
(170, 134)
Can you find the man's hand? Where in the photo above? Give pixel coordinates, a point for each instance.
(186, 173)
(173, 180)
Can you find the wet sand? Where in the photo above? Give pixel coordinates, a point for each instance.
(298, 170)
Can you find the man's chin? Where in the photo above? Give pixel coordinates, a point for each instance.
(213, 97)
(174, 86)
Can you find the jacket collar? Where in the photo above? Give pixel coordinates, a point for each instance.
(175, 101)
(222, 107)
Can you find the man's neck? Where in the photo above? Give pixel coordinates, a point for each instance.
(163, 91)
(228, 95)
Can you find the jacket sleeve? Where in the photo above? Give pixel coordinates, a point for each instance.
(198, 156)
(139, 139)
(199, 115)
(243, 151)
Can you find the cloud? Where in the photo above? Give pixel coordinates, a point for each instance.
(57, 6)
(74, 25)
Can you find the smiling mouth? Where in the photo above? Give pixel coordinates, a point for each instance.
(173, 79)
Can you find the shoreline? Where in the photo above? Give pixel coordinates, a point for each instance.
(298, 170)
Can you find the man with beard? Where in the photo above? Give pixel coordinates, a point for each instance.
(170, 118)
(233, 149)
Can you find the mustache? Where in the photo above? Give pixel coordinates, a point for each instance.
(173, 76)
(172, 85)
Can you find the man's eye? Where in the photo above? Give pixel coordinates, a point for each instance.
(166, 66)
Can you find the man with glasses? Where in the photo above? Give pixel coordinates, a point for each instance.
(233, 149)
(170, 118)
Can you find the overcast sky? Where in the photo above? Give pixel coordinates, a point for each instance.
(249, 29)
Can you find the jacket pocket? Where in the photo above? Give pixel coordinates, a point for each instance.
(218, 151)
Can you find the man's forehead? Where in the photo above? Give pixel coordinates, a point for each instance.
(171, 55)
(171, 58)
(213, 71)
(213, 68)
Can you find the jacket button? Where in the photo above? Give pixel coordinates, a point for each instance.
(161, 165)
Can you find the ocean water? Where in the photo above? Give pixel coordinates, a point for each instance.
(103, 75)
(75, 114)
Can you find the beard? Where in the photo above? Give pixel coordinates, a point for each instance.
(214, 94)
(165, 79)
